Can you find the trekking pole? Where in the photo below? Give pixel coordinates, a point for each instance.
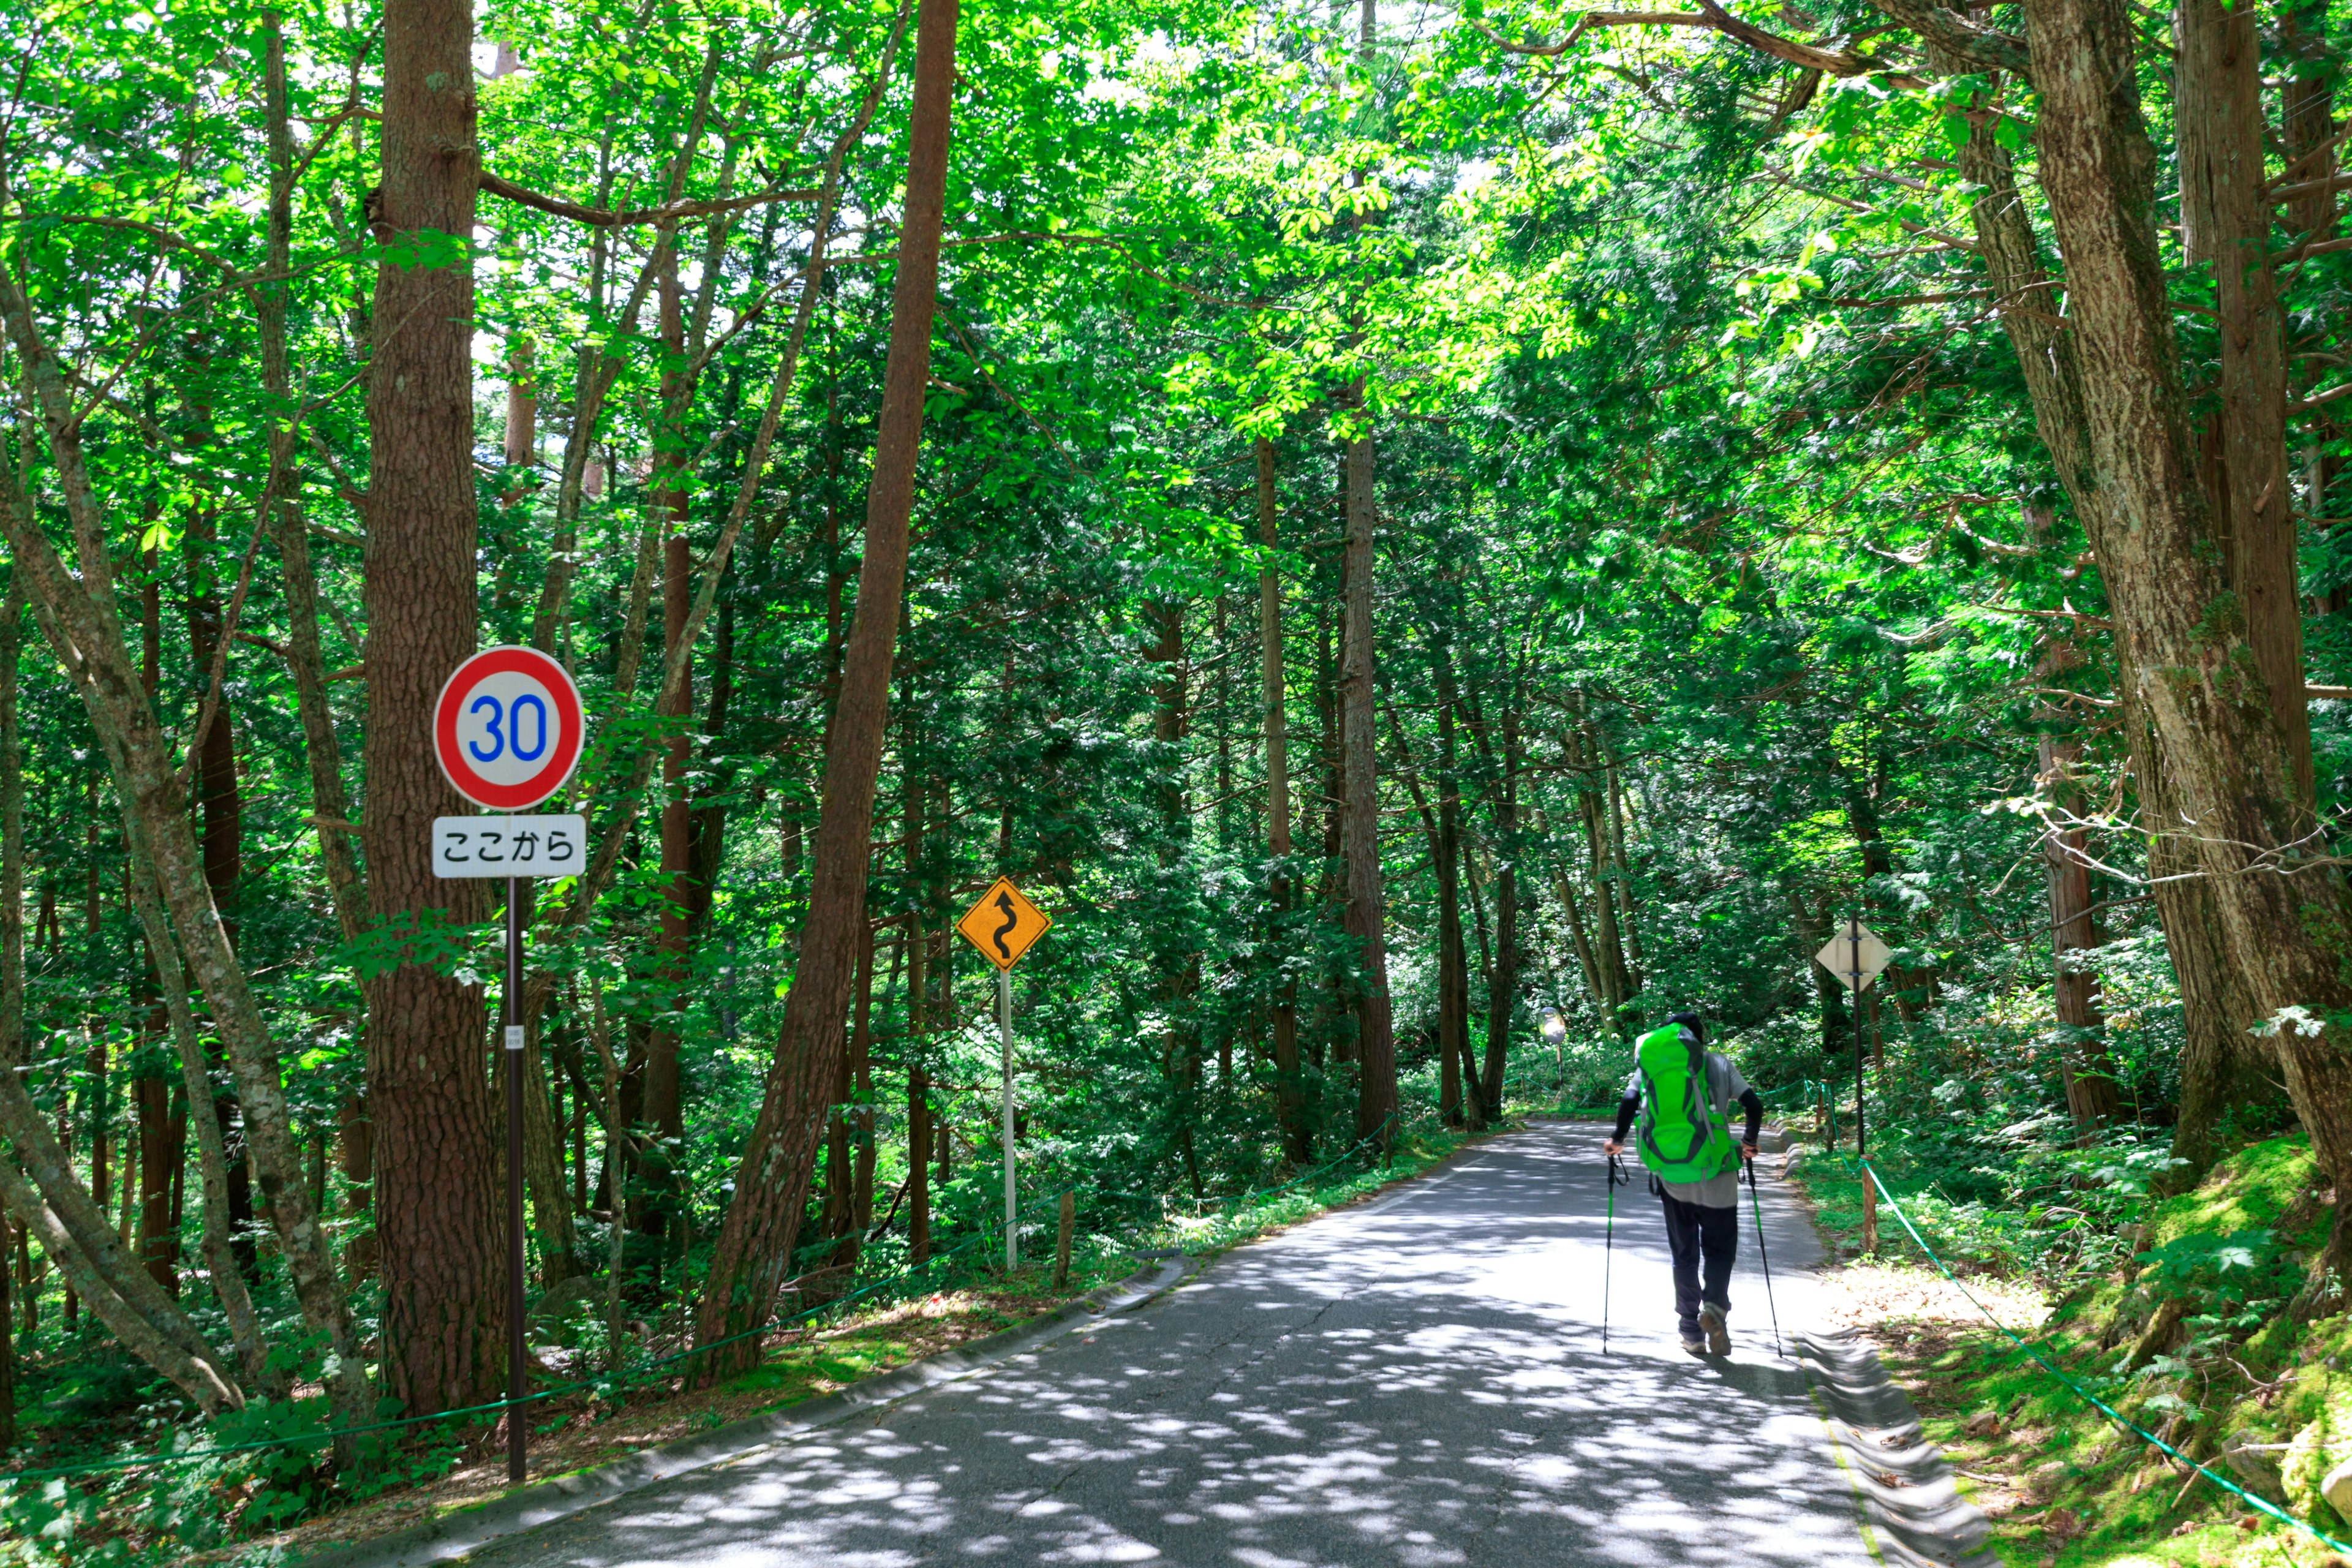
(1609, 1239)
(1755, 1205)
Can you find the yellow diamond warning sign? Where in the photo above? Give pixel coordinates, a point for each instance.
(1004, 924)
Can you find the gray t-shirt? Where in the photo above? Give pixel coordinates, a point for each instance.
(1724, 1085)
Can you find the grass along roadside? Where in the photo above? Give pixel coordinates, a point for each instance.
(2170, 1342)
(118, 1518)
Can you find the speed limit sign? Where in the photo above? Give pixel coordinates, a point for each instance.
(508, 728)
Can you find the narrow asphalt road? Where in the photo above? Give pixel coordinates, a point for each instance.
(1419, 1381)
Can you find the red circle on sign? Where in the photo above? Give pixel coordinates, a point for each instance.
(480, 722)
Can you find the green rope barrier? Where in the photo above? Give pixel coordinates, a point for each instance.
(2263, 1504)
(621, 1376)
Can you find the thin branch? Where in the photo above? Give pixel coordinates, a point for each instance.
(660, 217)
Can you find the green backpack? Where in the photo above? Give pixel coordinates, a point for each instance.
(1681, 1141)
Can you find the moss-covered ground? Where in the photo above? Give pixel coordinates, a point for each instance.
(2193, 1340)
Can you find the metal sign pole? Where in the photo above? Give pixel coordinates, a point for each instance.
(510, 1009)
(1011, 1203)
(1854, 931)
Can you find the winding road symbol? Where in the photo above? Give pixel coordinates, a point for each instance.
(1002, 924)
(1012, 923)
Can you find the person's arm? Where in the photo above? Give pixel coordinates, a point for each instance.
(1753, 1103)
(1626, 1109)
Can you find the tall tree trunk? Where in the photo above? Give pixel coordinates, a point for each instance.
(918, 785)
(2223, 740)
(7, 1340)
(2227, 1074)
(2225, 220)
(522, 416)
(72, 1228)
(2307, 114)
(1365, 915)
(159, 1158)
(1291, 1098)
(78, 609)
(357, 1147)
(1178, 960)
(1622, 865)
(840, 1213)
(1453, 953)
(1586, 757)
(542, 1155)
(196, 1106)
(1573, 912)
(1907, 987)
(437, 1168)
(663, 1113)
(2220, 1067)
(1503, 988)
(861, 1075)
(757, 1237)
(221, 810)
(101, 1128)
(2092, 1093)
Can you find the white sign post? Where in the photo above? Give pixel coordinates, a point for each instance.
(1004, 925)
(508, 731)
(1855, 956)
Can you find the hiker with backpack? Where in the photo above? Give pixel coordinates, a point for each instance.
(1683, 1094)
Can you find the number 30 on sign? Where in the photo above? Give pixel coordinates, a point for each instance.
(508, 728)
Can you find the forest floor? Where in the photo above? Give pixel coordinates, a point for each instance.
(2062, 1487)
(581, 1434)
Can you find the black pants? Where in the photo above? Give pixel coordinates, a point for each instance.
(1695, 1233)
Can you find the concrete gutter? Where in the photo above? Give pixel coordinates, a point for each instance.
(465, 1530)
(1911, 1510)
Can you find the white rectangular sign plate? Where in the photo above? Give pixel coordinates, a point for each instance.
(509, 846)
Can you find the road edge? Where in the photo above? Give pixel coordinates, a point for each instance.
(1912, 1509)
(464, 1530)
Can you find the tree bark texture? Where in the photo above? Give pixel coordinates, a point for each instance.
(1453, 953)
(1290, 1088)
(1585, 756)
(1503, 985)
(220, 809)
(357, 1144)
(437, 1170)
(542, 1162)
(521, 445)
(1365, 913)
(53, 1203)
(919, 785)
(2228, 1076)
(7, 1340)
(2225, 221)
(2092, 1093)
(2220, 1063)
(76, 611)
(2224, 744)
(221, 1211)
(1179, 964)
(757, 1237)
(664, 1114)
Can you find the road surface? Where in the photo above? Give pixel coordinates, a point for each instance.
(1419, 1381)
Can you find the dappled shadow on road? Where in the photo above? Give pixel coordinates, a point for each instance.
(1417, 1383)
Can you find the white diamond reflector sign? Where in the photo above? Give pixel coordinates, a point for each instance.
(1854, 956)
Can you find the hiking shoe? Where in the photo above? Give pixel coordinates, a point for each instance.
(1718, 1335)
(1692, 1343)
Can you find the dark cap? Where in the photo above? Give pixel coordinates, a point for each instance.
(1688, 1020)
